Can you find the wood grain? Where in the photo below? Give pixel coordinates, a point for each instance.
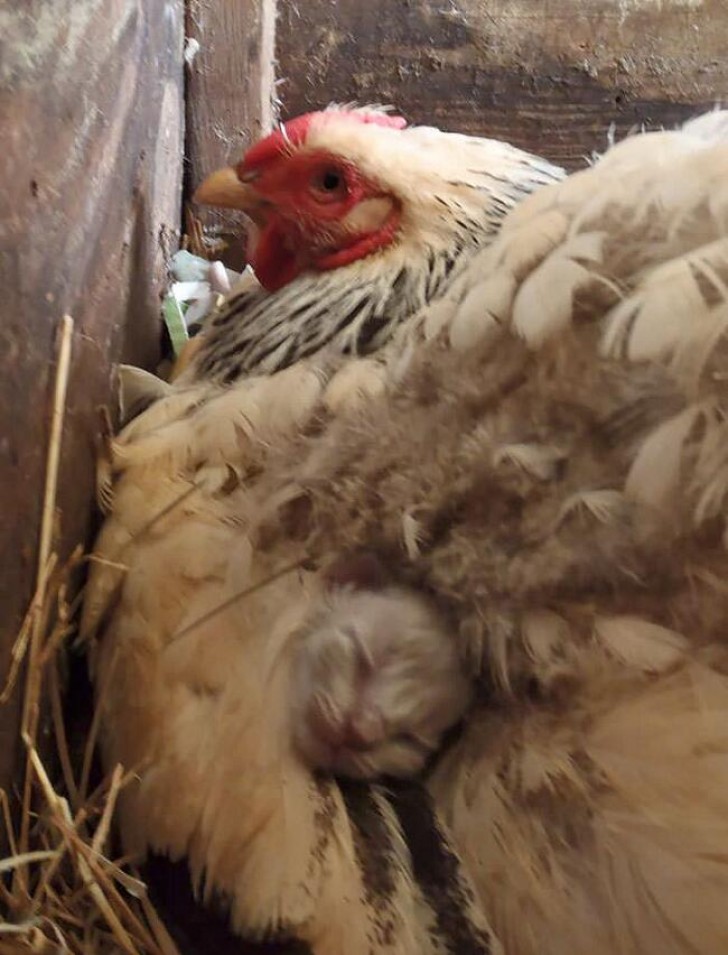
(548, 75)
(91, 124)
(229, 91)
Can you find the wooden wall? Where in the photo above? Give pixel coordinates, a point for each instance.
(91, 124)
(549, 75)
(229, 95)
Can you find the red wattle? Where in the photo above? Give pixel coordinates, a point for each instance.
(273, 262)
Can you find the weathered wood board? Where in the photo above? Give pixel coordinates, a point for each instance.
(548, 75)
(229, 92)
(91, 122)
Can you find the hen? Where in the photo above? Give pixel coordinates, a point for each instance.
(536, 446)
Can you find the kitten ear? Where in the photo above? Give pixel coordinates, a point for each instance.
(362, 571)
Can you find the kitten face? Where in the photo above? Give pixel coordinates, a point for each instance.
(376, 681)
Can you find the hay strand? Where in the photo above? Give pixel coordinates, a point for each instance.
(59, 892)
(54, 445)
(12, 862)
(59, 730)
(46, 564)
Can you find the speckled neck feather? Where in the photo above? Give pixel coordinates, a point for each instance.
(356, 309)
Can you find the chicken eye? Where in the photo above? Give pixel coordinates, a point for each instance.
(329, 184)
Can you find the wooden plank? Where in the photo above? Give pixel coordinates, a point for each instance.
(91, 123)
(229, 91)
(550, 76)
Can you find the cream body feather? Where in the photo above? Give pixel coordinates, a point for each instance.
(543, 449)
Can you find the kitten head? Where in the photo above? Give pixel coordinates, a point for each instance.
(377, 679)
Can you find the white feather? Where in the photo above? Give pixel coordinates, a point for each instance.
(604, 505)
(411, 535)
(545, 634)
(537, 460)
(545, 301)
(667, 311)
(354, 384)
(481, 313)
(437, 316)
(640, 644)
(654, 477)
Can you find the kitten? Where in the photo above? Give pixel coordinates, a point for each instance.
(377, 678)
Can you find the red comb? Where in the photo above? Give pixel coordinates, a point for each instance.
(294, 132)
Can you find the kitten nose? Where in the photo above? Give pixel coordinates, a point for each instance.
(363, 729)
(357, 730)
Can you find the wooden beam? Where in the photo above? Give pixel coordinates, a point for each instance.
(91, 124)
(230, 91)
(551, 76)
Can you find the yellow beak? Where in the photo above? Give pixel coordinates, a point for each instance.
(223, 188)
